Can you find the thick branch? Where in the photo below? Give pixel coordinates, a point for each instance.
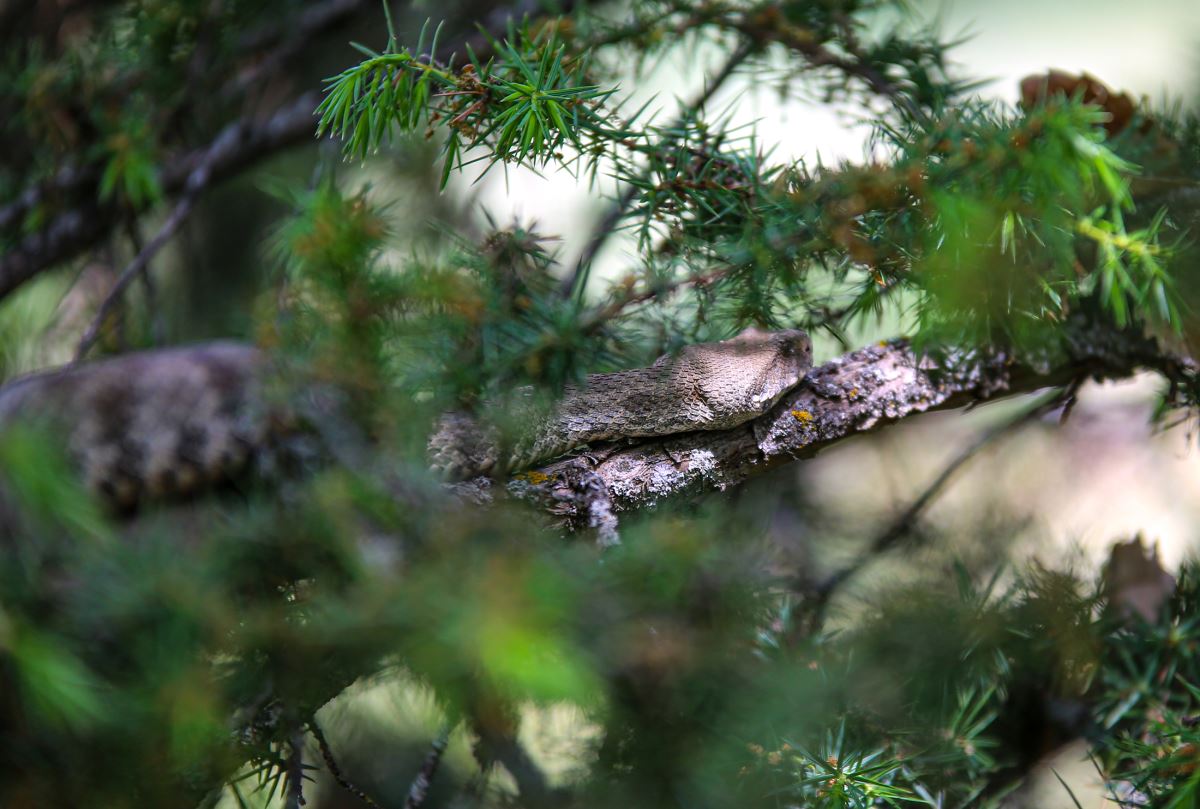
(850, 395)
(847, 396)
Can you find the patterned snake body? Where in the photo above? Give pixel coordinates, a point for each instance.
(163, 423)
(151, 424)
(708, 386)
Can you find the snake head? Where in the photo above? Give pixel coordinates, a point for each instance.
(782, 358)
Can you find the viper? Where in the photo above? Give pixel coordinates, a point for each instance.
(163, 423)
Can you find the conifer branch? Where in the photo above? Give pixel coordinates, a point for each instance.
(850, 395)
(612, 218)
(904, 523)
(335, 769)
(198, 181)
(293, 796)
(236, 147)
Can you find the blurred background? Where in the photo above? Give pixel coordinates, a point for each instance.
(1104, 474)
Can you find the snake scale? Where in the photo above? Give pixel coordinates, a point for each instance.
(164, 423)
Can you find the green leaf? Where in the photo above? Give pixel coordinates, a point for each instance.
(448, 161)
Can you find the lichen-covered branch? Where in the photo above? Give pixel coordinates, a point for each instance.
(117, 408)
(852, 394)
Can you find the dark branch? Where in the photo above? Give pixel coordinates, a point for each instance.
(197, 182)
(903, 525)
(87, 221)
(309, 22)
(336, 771)
(73, 185)
(294, 779)
(236, 147)
(68, 180)
(291, 40)
(419, 790)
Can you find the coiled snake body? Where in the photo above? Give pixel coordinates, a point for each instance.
(163, 423)
(707, 386)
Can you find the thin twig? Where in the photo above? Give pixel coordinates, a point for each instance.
(67, 181)
(499, 746)
(292, 39)
(575, 282)
(878, 83)
(904, 523)
(820, 56)
(237, 794)
(197, 182)
(421, 784)
(149, 287)
(294, 785)
(87, 221)
(1070, 398)
(334, 770)
(499, 17)
(602, 314)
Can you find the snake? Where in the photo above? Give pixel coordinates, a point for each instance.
(165, 423)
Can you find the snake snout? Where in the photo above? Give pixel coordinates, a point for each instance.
(794, 343)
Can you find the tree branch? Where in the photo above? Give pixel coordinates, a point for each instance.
(74, 185)
(197, 182)
(87, 221)
(335, 770)
(575, 282)
(236, 147)
(850, 395)
(419, 791)
(293, 792)
(903, 524)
